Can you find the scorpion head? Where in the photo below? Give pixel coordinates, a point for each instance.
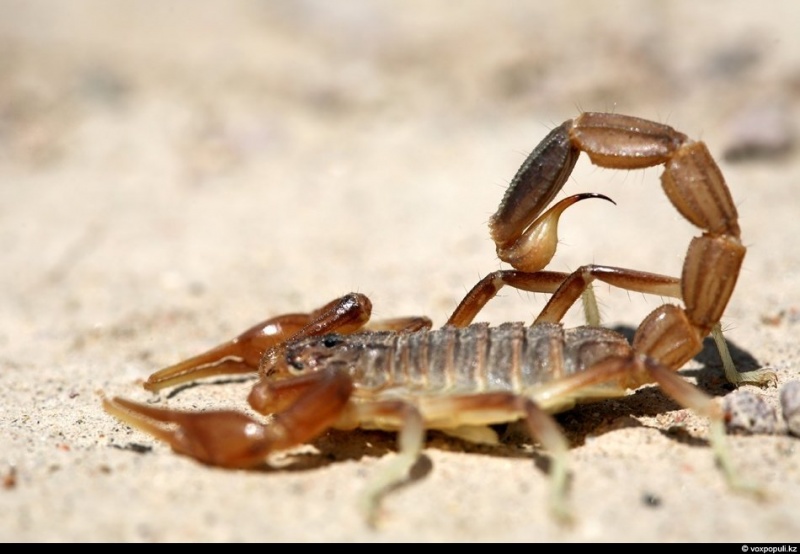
(283, 367)
(332, 351)
(315, 353)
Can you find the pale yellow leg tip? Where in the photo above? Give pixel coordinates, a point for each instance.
(561, 512)
(758, 377)
(559, 477)
(748, 488)
(370, 511)
(735, 482)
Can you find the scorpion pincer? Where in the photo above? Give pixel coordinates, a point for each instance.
(333, 368)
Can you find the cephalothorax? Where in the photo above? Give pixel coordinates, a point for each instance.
(332, 368)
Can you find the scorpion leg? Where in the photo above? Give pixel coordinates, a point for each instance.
(620, 373)
(408, 324)
(565, 287)
(484, 408)
(488, 287)
(410, 440)
(578, 281)
(480, 409)
(231, 439)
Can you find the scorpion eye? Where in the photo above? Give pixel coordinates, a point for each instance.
(331, 340)
(295, 365)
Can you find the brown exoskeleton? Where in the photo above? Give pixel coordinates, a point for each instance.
(331, 368)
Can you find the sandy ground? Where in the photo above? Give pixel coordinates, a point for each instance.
(173, 172)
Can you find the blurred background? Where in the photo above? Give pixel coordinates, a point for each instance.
(172, 171)
(132, 127)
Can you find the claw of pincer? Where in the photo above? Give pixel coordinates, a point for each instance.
(239, 355)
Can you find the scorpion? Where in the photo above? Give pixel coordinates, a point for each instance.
(333, 368)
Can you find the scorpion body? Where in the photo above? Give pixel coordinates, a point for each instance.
(468, 361)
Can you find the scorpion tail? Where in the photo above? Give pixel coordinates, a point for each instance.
(534, 247)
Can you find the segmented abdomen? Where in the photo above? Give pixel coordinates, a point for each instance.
(477, 358)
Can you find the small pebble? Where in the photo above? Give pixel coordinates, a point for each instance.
(749, 414)
(790, 405)
(651, 500)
